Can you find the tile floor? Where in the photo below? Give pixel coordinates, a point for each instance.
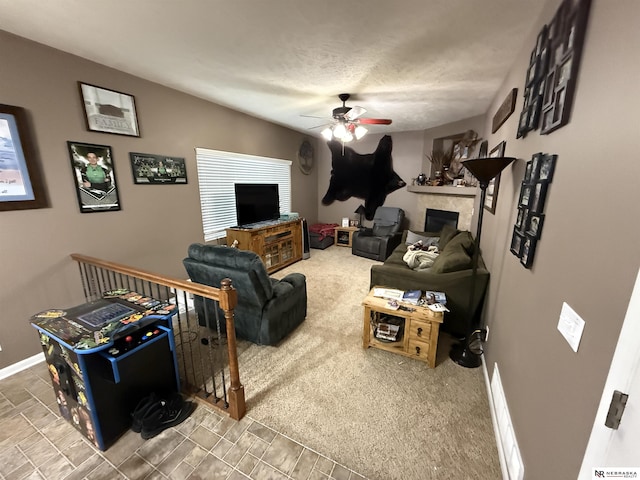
(37, 443)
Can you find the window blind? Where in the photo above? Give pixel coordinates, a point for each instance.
(218, 171)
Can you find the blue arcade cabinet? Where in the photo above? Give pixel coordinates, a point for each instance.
(105, 356)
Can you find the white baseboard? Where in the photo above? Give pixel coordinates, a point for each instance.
(508, 450)
(496, 431)
(21, 365)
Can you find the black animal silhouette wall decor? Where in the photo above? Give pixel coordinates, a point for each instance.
(369, 177)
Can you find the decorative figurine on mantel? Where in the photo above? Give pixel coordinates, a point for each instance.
(462, 150)
(446, 165)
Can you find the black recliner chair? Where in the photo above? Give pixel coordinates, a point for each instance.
(378, 242)
(268, 309)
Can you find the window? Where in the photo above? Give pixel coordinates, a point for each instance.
(219, 171)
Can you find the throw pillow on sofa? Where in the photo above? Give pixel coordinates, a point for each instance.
(413, 238)
(447, 233)
(453, 259)
(463, 238)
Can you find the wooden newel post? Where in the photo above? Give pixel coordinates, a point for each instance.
(228, 302)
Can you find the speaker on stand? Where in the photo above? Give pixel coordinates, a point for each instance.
(306, 246)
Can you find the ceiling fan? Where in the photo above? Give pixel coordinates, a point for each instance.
(347, 122)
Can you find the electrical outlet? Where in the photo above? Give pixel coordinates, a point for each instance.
(486, 333)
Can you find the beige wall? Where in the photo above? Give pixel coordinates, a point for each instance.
(588, 255)
(157, 222)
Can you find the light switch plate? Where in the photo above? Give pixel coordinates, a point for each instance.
(571, 326)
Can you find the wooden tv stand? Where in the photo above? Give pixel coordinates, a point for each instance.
(279, 244)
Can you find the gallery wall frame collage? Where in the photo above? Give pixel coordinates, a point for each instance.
(93, 169)
(527, 229)
(553, 70)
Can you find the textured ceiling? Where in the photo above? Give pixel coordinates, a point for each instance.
(422, 63)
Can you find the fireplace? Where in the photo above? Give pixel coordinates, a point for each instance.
(454, 199)
(435, 219)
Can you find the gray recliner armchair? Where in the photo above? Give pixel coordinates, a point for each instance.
(379, 241)
(267, 310)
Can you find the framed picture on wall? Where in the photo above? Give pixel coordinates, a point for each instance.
(491, 197)
(525, 195)
(94, 177)
(547, 166)
(528, 251)
(109, 111)
(517, 239)
(535, 225)
(522, 219)
(21, 185)
(538, 194)
(152, 169)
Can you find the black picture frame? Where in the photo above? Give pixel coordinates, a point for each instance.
(534, 229)
(528, 251)
(566, 38)
(534, 85)
(109, 111)
(21, 181)
(538, 197)
(94, 195)
(517, 239)
(491, 197)
(536, 161)
(522, 219)
(150, 169)
(547, 168)
(525, 195)
(527, 171)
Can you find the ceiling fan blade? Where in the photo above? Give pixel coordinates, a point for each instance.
(373, 121)
(319, 126)
(354, 113)
(311, 116)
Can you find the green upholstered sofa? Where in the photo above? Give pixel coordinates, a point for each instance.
(267, 310)
(451, 273)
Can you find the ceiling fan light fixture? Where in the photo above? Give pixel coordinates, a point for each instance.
(327, 133)
(360, 132)
(339, 131)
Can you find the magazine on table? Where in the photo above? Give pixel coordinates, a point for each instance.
(391, 293)
(412, 296)
(435, 297)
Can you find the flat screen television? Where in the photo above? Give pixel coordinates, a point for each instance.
(256, 202)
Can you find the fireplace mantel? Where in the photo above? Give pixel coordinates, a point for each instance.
(444, 190)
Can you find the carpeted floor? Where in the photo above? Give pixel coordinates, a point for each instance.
(386, 416)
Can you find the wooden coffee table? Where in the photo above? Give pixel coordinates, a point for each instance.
(420, 330)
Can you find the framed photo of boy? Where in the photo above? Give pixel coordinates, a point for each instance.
(94, 177)
(109, 111)
(21, 185)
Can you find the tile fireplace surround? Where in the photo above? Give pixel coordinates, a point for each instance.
(456, 199)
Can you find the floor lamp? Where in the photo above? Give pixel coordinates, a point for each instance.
(468, 353)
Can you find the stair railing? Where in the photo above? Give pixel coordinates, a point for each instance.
(202, 361)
